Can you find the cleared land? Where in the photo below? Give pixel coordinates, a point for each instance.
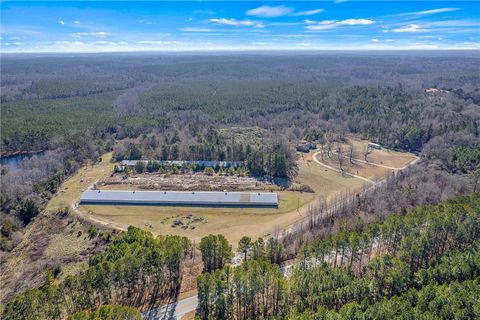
(383, 156)
(378, 164)
(232, 222)
(196, 222)
(71, 189)
(184, 182)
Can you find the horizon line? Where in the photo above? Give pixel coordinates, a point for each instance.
(242, 50)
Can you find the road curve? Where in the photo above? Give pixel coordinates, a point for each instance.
(314, 156)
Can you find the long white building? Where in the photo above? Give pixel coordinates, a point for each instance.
(213, 163)
(181, 198)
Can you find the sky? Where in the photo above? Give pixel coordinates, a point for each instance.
(117, 26)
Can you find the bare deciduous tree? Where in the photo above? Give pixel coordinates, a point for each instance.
(351, 153)
(340, 157)
(365, 153)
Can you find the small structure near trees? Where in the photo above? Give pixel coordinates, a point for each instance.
(306, 146)
(374, 145)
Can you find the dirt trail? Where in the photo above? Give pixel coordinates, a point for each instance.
(336, 170)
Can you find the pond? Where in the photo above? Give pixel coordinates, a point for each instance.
(13, 162)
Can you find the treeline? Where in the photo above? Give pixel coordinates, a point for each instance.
(418, 185)
(73, 87)
(411, 261)
(136, 270)
(26, 191)
(274, 159)
(153, 166)
(108, 312)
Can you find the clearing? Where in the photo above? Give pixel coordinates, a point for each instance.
(196, 222)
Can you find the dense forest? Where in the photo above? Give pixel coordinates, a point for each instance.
(230, 107)
(401, 248)
(136, 270)
(422, 264)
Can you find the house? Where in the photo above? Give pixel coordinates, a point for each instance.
(306, 146)
(180, 198)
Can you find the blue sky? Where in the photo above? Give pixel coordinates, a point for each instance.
(84, 26)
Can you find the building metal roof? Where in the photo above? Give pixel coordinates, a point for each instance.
(214, 163)
(183, 198)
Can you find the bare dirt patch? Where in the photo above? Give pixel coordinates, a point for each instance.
(185, 182)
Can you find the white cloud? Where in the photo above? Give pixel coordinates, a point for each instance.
(21, 30)
(427, 12)
(331, 24)
(269, 12)
(453, 23)
(409, 28)
(374, 40)
(100, 34)
(13, 43)
(285, 23)
(321, 27)
(237, 23)
(195, 29)
(389, 40)
(301, 35)
(323, 22)
(69, 43)
(157, 42)
(145, 21)
(61, 22)
(356, 22)
(105, 43)
(76, 22)
(307, 12)
(258, 43)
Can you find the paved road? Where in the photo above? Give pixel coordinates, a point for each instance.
(173, 310)
(184, 306)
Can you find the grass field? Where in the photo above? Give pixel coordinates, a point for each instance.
(383, 156)
(232, 222)
(71, 189)
(196, 222)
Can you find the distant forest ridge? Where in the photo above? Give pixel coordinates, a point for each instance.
(381, 96)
